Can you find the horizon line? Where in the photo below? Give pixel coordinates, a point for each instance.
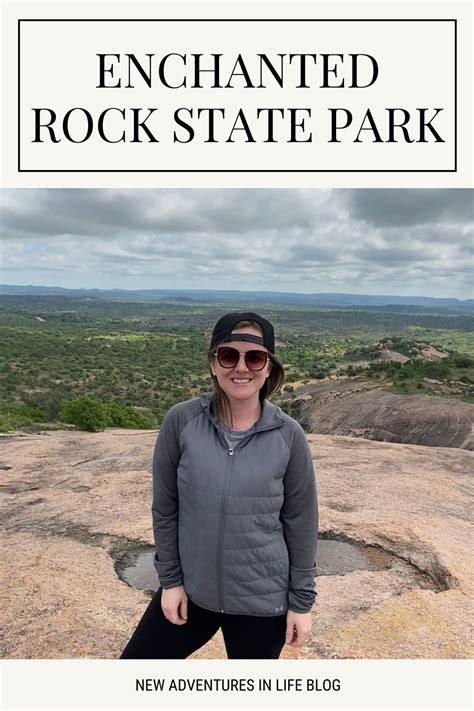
(236, 291)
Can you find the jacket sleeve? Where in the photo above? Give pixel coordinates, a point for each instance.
(299, 515)
(164, 509)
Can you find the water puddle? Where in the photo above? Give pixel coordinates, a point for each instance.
(136, 568)
(339, 557)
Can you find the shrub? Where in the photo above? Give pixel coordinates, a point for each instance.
(463, 361)
(119, 415)
(93, 415)
(14, 415)
(50, 400)
(85, 412)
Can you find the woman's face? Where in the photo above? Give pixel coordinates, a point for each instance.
(239, 383)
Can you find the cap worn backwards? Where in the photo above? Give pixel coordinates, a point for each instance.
(223, 330)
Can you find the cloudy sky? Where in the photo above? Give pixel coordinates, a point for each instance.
(408, 242)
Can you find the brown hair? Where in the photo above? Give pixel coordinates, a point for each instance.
(271, 386)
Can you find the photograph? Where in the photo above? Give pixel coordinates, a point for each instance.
(236, 355)
(236, 423)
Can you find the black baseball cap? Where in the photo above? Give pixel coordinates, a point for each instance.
(223, 330)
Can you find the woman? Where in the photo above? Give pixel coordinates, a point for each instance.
(234, 511)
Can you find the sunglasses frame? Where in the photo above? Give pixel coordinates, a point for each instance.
(242, 353)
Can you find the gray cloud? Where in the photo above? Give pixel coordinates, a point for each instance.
(106, 212)
(374, 241)
(387, 208)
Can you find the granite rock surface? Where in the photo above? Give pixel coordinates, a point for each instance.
(72, 503)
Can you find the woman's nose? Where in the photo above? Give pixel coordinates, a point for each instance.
(242, 364)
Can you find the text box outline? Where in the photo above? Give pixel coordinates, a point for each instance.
(238, 170)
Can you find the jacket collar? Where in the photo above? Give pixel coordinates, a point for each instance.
(270, 418)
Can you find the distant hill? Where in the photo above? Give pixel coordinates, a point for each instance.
(330, 300)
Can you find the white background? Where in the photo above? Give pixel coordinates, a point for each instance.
(365, 684)
(59, 70)
(391, 684)
(65, 74)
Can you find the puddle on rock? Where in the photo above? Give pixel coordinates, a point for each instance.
(339, 557)
(141, 572)
(136, 567)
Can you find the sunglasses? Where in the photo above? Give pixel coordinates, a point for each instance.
(228, 357)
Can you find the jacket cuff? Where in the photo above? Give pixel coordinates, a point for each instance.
(302, 591)
(169, 573)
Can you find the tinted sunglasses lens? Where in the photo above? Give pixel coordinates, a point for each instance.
(228, 357)
(256, 360)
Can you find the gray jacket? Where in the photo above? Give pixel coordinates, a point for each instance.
(237, 528)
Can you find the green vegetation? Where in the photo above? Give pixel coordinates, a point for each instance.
(461, 341)
(14, 416)
(85, 412)
(450, 369)
(93, 415)
(134, 359)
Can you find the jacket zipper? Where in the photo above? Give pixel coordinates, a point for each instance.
(223, 510)
(220, 535)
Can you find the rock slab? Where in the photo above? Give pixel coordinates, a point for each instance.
(72, 503)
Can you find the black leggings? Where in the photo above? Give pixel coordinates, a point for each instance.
(245, 636)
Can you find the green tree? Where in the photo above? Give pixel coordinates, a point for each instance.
(50, 400)
(119, 415)
(85, 412)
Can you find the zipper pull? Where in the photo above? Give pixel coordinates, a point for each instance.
(231, 452)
